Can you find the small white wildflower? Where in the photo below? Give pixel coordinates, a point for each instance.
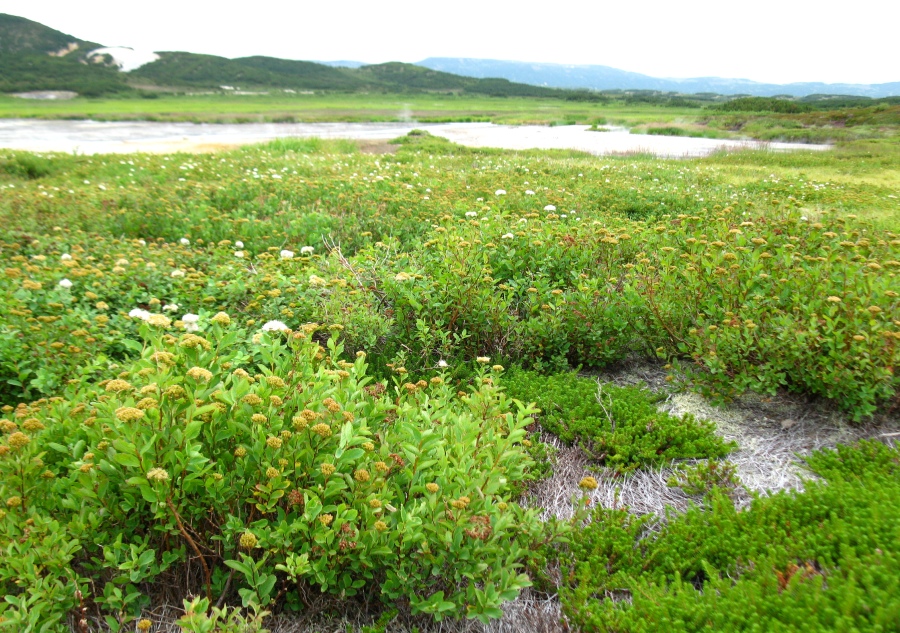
(442, 363)
(471, 214)
(239, 254)
(170, 307)
(307, 250)
(184, 241)
(239, 244)
(507, 236)
(275, 326)
(286, 254)
(550, 207)
(65, 283)
(142, 242)
(190, 318)
(177, 273)
(138, 313)
(529, 192)
(65, 257)
(500, 192)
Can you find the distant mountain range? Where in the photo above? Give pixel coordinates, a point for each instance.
(607, 78)
(34, 57)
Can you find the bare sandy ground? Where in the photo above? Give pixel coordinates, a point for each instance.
(101, 137)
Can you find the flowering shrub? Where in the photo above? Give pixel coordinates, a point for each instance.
(271, 464)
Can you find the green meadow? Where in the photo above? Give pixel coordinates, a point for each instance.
(296, 382)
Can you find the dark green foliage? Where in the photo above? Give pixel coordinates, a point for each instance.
(669, 130)
(30, 166)
(21, 35)
(25, 72)
(764, 104)
(618, 426)
(822, 560)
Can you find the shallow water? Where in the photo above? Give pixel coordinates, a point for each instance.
(96, 137)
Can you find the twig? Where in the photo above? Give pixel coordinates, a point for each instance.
(187, 537)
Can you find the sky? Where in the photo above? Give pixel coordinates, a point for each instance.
(774, 41)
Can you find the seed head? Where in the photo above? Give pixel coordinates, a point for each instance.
(273, 442)
(248, 541)
(157, 474)
(32, 424)
(200, 374)
(588, 483)
(327, 469)
(115, 386)
(18, 440)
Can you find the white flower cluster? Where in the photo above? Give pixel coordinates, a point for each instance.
(190, 322)
(275, 326)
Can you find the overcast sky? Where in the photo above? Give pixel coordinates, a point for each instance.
(775, 41)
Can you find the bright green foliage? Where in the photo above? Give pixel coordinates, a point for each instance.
(270, 456)
(618, 426)
(821, 560)
(729, 284)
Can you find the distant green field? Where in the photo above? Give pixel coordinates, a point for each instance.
(820, 126)
(226, 108)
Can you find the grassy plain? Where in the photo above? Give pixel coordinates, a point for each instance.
(279, 373)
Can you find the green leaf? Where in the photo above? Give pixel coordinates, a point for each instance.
(125, 459)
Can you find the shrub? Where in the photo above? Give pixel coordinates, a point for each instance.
(271, 457)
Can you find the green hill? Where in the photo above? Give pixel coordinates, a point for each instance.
(24, 36)
(36, 57)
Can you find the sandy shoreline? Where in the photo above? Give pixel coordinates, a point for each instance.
(124, 137)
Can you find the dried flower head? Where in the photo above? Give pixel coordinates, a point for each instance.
(200, 374)
(322, 430)
(327, 469)
(248, 540)
(18, 440)
(274, 442)
(275, 382)
(115, 386)
(32, 424)
(252, 399)
(432, 487)
(157, 474)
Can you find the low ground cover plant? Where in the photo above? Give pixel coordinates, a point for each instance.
(619, 427)
(820, 560)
